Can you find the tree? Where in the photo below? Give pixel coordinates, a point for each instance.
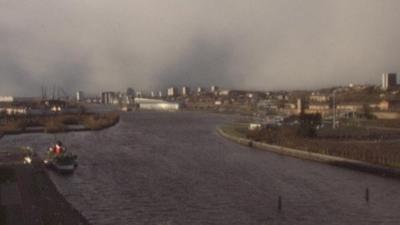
(367, 112)
(308, 124)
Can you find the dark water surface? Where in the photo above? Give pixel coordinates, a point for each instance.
(172, 168)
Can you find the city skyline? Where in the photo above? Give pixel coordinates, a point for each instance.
(256, 45)
(55, 91)
(213, 112)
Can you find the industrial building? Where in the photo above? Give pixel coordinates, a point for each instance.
(156, 104)
(214, 89)
(200, 90)
(389, 81)
(108, 97)
(185, 91)
(6, 99)
(172, 92)
(80, 96)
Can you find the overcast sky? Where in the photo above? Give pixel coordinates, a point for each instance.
(95, 45)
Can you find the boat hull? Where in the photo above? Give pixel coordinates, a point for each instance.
(62, 169)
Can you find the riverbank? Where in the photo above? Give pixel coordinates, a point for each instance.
(375, 146)
(237, 136)
(59, 123)
(29, 197)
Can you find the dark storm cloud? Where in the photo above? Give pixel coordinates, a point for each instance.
(14, 78)
(205, 63)
(265, 44)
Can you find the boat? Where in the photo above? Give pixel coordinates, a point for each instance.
(64, 163)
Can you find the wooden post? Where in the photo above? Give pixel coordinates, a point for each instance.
(279, 203)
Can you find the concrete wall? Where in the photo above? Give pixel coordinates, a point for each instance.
(387, 115)
(333, 160)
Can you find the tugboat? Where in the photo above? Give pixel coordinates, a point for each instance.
(60, 160)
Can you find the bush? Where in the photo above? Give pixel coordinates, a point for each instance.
(308, 124)
(71, 120)
(367, 112)
(13, 127)
(96, 121)
(53, 126)
(58, 123)
(265, 134)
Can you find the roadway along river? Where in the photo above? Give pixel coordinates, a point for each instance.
(172, 168)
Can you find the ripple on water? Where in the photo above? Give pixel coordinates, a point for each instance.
(171, 168)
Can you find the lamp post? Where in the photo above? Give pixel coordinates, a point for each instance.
(334, 110)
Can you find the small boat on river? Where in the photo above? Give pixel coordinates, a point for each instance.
(60, 160)
(65, 164)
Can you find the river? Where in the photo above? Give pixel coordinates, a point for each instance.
(173, 168)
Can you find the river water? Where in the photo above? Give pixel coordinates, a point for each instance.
(172, 168)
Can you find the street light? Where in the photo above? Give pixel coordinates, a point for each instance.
(334, 110)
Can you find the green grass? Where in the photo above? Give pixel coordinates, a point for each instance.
(237, 130)
(344, 130)
(354, 143)
(382, 123)
(393, 164)
(358, 132)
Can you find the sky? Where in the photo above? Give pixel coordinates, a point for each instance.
(99, 45)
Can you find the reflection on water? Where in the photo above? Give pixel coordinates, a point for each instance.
(172, 168)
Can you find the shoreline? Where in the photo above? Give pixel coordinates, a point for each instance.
(42, 130)
(40, 202)
(317, 157)
(35, 199)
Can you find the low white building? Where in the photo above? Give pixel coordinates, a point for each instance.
(316, 97)
(224, 92)
(6, 99)
(255, 126)
(167, 106)
(14, 110)
(156, 104)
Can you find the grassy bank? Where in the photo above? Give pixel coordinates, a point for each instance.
(100, 121)
(371, 146)
(58, 123)
(238, 130)
(382, 123)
